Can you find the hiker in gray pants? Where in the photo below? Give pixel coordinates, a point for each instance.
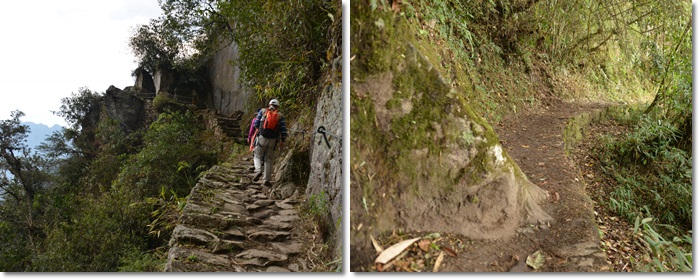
(272, 131)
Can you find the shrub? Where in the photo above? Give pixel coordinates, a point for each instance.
(654, 177)
(171, 142)
(662, 255)
(318, 208)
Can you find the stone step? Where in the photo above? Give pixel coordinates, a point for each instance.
(239, 228)
(257, 257)
(268, 235)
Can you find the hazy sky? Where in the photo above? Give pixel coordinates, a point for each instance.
(50, 49)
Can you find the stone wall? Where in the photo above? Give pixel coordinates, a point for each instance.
(326, 174)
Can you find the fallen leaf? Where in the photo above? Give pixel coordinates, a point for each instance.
(394, 250)
(424, 245)
(449, 251)
(384, 267)
(536, 260)
(376, 245)
(438, 262)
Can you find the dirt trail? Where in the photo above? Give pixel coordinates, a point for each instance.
(569, 243)
(232, 224)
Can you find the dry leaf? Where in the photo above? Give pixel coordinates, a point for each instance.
(424, 245)
(536, 260)
(375, 244)
(449, 251)
(394, 250)
(438, 262)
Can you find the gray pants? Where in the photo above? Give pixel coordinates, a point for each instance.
(264, 152)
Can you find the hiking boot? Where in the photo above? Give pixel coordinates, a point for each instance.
(267, 184)
(257, 176)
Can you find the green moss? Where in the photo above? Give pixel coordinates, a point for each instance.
(373, 32)
(393, 104)
(363, 125)
(161, 101)
(468, 137)
(382, 43)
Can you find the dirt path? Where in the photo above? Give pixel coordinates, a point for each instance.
(232, 224)
(571, 242)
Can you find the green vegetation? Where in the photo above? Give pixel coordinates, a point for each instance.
(651, 168)
(654, 175)
(284, 46)
(663, 255)
(318, 208)
(126, 212)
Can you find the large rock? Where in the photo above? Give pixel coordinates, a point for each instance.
(326, 163)
(164, 81)
(124, 107)
(228, 92)
(423, 161)
(186, 235)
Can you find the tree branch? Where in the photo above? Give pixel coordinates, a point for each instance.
(659, 93)
(6, 191)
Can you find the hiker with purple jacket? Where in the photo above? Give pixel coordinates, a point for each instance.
(271, 130)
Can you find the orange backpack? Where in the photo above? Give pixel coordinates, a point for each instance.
(270, 121)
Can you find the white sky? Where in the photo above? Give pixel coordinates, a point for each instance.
(50, 49)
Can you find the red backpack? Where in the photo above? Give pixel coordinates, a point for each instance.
(270, 121)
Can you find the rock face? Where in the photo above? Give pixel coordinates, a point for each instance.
(424, 161)
(326, 173)
(164, 81)
(144, 81)
(124, 107)
(230, 224)
(228, 93)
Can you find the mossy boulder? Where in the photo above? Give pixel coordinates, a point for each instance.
(421, 159)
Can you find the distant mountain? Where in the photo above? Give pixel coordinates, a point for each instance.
(38, 133)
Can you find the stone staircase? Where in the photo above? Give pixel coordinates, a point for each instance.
(231, 125)
(232, 224)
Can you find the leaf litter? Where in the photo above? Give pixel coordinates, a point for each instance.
(419, 254)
